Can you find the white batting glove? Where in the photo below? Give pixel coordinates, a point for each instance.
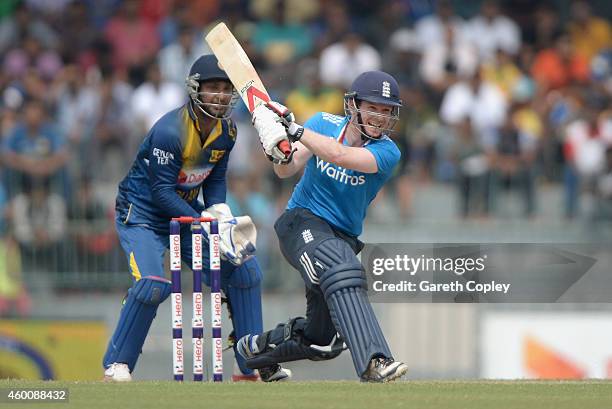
(270, 131)
(238, 235)
(294, 130)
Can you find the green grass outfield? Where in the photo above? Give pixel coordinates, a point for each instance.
(328, 395)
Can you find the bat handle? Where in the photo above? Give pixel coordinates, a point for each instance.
(284, 147)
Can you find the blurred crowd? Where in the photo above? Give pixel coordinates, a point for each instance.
(500, 97)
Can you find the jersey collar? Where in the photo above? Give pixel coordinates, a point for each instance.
(195, 130)
(193, 116)
(214, 134)
(341, 135)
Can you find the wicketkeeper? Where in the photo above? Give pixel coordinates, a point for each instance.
(186, 152)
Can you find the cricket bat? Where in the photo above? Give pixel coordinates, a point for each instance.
(240, 70)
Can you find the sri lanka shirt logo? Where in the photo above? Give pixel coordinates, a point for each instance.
(216, 155)
(190, 178)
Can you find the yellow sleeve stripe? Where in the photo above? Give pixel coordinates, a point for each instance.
(134, 267)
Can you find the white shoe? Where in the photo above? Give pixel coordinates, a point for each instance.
(247, 347)
(118, 372)
(275, 373)
(384, 370)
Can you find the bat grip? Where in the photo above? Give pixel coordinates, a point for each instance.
(284, 147)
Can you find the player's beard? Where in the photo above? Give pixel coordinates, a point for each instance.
(218, 107)
(216, 110)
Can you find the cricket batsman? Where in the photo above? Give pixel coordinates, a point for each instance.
(185, 152)
(347, 161)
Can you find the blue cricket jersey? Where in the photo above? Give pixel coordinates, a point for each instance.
(338, 195)
(171, 167)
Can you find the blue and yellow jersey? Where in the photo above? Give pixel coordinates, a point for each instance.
(170, 169)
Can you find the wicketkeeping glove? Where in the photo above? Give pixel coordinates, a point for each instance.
(237, 234)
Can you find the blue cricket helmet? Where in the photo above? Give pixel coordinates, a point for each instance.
(207, 68)
(377, 87)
